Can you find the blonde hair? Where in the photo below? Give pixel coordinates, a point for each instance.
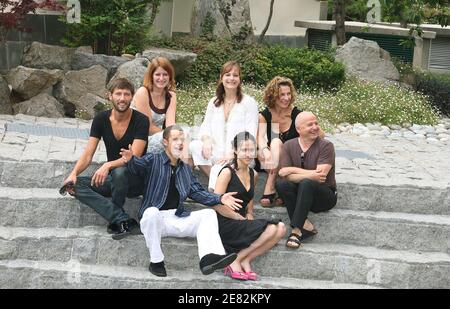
(220, 90)
(272, 90)
(152, 66)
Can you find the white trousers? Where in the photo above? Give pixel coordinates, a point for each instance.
(201, 224)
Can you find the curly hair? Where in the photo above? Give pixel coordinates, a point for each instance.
(272, 90)
(152, 66)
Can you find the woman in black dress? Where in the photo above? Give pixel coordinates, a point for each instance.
(239, 231)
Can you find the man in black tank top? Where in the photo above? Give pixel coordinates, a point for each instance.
(120, 127)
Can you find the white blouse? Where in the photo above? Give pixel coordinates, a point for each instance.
(242, 117)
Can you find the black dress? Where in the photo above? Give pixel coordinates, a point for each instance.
(240, 234)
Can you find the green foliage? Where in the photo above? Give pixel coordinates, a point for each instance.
(356, 101)
(308, 68)
(111, 27)
(260, 63)
(437, 88)
(207, 26)
(363, 102)
(355, 10)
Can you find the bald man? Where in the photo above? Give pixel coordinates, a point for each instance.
(307, 182)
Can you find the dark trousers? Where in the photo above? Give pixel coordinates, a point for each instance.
(303, 197)
(118, 185)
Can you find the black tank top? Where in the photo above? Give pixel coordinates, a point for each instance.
(283, 136)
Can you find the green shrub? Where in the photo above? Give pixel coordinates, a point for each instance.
(110, 27)
(308, 68)
(260, 63)
(437, 88)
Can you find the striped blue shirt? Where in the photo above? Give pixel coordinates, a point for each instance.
(155, 170)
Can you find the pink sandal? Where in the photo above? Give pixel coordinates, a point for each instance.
(239, 275)
(251, 275)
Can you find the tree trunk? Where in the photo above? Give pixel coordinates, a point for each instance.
(263, 33)
(339, 15)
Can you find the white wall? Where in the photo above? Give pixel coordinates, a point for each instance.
(163, 20)
(182, 15)
(285, 12)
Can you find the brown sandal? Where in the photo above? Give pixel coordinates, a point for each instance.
(294, 238)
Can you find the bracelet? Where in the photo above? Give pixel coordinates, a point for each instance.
(267, 147)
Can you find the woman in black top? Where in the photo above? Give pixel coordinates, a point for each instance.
(276, 126)
(238, 230)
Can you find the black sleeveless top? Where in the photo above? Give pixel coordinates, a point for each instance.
(283, 136)
(235, 185)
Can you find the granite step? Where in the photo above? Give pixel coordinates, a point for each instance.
(339, 263)
(73, 274)
(371, 197)
(46, 208)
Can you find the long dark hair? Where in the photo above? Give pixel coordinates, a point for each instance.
(238, 139)
(220, 90)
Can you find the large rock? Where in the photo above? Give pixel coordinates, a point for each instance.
(76, 84)
(42, 56)
(181, 60)
(82, 60)
(230, 17)
(5, 101)
(133, 70)
(28, 82)
(88, 106)
(42, 105)
(366, 60)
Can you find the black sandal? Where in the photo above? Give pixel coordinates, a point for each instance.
(307, 234)
(270, 197)
(294, 238)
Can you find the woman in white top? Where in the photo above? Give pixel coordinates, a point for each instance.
(227, 114)
(157, 99)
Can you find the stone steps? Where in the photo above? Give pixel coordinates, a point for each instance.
(42, 208)
(326, 262)
(400, 198)
(405, 198)
(72, 274)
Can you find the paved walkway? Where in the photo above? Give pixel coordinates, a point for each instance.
(361, 160)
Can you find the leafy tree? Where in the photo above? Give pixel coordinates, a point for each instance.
(14, 12)
(113, 27)
(416, 12)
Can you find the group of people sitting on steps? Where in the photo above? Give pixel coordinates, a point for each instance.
(149, 154)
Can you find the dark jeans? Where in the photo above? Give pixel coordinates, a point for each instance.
(307, 195)
(118, 185)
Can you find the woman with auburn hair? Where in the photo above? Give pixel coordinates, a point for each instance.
(276, 126)
(228, 113)
(157, 99)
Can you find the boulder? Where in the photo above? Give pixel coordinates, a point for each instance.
(230, 17)
(180, 60)
(84, 49)
(89, 105)
(366, 60)
(29, 82)
(42, 105)
(133, 70)
(43, 56)
(82, 60)
(5, 101)
(128, 56)
(76, 84)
